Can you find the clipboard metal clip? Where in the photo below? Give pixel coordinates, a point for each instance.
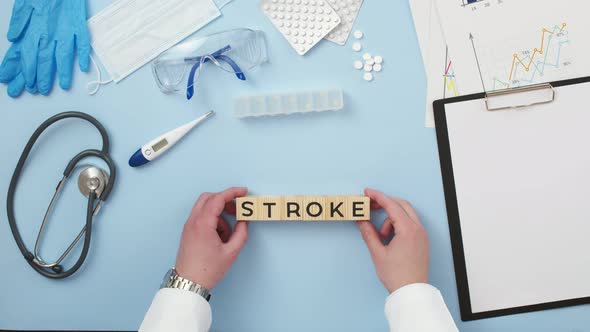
(530, 95)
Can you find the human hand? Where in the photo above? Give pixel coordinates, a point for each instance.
(208, 247)
(404, 260)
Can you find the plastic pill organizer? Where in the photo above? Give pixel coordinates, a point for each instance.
(304, 23)
(281, 104)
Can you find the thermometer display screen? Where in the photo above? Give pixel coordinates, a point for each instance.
(158, 146)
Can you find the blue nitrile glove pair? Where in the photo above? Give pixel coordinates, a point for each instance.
(45, 35)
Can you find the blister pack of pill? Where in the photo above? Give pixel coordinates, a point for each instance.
(348, 11)
(304, 23)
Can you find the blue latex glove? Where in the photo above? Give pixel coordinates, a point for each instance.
(29, 31)
(49, 32)
(21, 15)
(30, 25)
(11, 72)
(71, 34)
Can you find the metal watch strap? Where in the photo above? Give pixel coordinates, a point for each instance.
(178, 282)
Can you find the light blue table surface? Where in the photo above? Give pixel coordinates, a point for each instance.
(290, 276)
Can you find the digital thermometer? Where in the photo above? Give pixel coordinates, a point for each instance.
(161, 144)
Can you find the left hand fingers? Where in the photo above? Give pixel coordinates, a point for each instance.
(230, 208)
(216, 204)
(223, 229)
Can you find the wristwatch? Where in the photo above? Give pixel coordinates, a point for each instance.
(173, 280)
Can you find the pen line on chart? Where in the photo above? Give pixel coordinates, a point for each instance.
(535, 52)
(449, 76)
(539, 66)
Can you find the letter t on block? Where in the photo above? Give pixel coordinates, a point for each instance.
(305, 208)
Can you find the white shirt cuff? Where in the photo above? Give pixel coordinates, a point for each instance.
(176, 310)
(418, 308)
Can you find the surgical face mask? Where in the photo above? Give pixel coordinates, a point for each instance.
(129, 33)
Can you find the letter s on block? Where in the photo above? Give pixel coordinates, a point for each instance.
(245, 208)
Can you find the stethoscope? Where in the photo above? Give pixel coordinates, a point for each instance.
(93, 183)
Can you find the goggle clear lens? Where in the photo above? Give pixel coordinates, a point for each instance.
(233, 51)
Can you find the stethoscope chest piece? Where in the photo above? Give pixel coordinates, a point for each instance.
(92, 179)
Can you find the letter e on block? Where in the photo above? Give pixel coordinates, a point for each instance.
(359, 208)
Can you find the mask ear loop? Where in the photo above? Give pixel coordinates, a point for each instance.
(98, 82)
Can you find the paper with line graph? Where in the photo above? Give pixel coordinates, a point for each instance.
(440, 74)
(442, 80)
(500, 44)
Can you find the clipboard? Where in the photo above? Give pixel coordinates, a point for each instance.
(486, 168)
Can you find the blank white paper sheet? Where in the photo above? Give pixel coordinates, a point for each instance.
(522, 182)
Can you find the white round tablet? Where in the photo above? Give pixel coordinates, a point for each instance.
(357, 47)
(358, 65)
(370, 61)
(377, 67)
(378, 59)
(368, 67)
(368, 77)
(366, 56)
(358, 34)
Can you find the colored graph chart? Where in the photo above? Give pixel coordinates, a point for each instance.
(476, 5)
(530, 66)
(450, 85)
(469, 2)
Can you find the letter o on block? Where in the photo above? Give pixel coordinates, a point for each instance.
(310, 208)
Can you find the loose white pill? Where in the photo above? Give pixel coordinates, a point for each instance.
(378, 59)
(368, 67)
(366, 56)
(358, 65)
(357, 47)
(377, 67)
(368, 77)
(370, 61)
(358, 34)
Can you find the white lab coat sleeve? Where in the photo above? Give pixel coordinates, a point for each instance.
(176, 310)
(418, 308)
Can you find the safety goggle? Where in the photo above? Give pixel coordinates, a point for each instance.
(234, 51)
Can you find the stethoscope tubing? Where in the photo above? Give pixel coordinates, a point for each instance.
(102, 154)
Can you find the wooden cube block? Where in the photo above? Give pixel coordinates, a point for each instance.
(303, 208)
(314, 208)
(292, 208)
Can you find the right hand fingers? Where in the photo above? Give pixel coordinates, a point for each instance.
(396, 213)
(386, 229)
(409, 209)
(371, 238)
